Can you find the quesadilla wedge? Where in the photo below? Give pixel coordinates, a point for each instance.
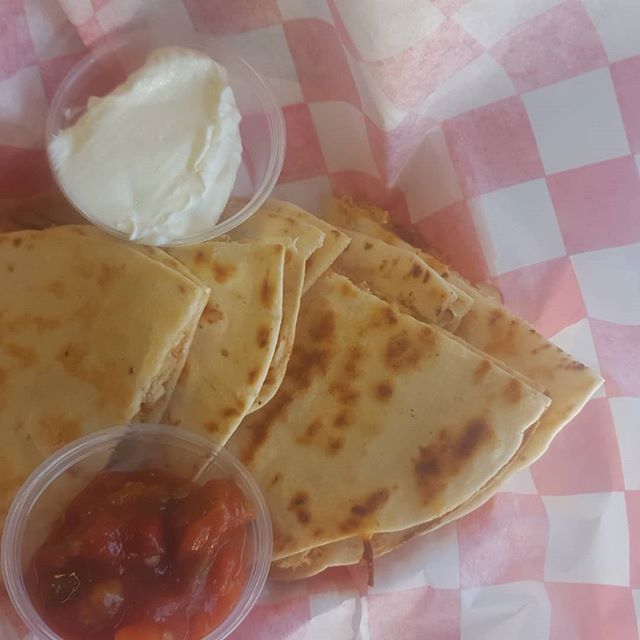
(492, 329)
(92, 334)
(402, 277)
(236, 336)
(301, 241)
(382, 422)
(335, 241)
(368, 547)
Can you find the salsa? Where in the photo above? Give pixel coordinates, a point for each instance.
(143, 555)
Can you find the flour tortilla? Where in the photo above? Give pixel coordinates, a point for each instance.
(402, 277)
(492, 329)
(511, 341)
(92, 334)
(335, 241)
(352, 550)
(236, 337)
(400, 431)
(301, 241)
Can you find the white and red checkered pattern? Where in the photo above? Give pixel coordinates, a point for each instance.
(505, 131)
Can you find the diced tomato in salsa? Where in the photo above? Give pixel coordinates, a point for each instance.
(144, 555)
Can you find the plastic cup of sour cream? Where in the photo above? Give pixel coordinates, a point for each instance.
(165, 137)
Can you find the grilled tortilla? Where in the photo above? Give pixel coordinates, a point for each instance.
(301, 241)
(236, 336)
(92, 334)
(335, 241)
(402, 277)
(401, 422)
(492, 329)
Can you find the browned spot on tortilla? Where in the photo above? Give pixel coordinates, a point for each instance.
(426, 277)
(352, 364)
(310, 432)
(267, 293)
(502, 335)
(42, 324)
(475, 432)
(109, 273)
(542, 347)
(131, 371)
(347, 290)
(481, 371)
(367, 246)
(403, 353)
(10, 268)
(56, 288)
(79, 231)
(439, 462)
(364, 509)
(334, 445)
(57, 430)
(211, 426)
(224, 353)
(383, 391)
(200, 257)
(263, 336)
(222, 272)
(416, 271)
(16, 242)
(383, 317)
(299, 504)
(304, 366)
(252, 376)
(341, 420)
(573, 366)
(25, 355)
(317, 532)
(211, 315)
(513, 391)
(323, 326)
(344, 392)
(182, 288)
(276, 478)
(230, 412)
(495, 316)
(532, 331)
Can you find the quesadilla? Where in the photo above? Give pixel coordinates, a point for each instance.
(400, 422)
(92, 334)
(335, 241)
(357, 548)
(301, 240)
(494, 330)
(236, 336)
(402, 277)
(491, 329)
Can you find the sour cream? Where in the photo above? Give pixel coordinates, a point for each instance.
(157, 157)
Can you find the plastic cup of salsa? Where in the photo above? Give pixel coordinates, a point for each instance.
(47, 493)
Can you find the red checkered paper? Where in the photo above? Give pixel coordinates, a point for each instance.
(508, 133)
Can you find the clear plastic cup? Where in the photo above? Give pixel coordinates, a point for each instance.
(49, 489)
(262, 127)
